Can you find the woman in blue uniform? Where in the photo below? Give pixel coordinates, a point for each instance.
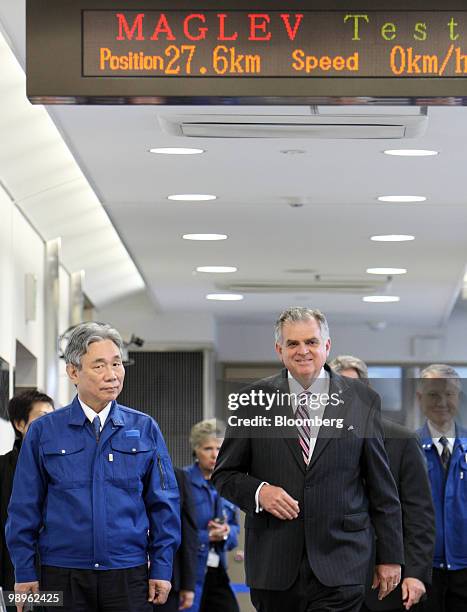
(217, 521)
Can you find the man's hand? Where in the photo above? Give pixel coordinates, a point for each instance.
(412, 591)
(158, 591)
(218, 531)
(278, 502)
(25, 587)
(387, 576)
(186, 599)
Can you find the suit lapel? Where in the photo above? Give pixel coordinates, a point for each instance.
(326, 434)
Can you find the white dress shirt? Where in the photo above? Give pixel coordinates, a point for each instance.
(450, 435)
(91, 414)
(319, 385)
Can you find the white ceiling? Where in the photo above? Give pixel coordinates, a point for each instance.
(337, 180)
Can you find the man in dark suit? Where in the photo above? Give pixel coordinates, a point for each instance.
(310, 490)
(408, 467)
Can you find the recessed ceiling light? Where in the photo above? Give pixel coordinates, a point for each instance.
(381, 298)
(191, 197)
(402, 198)
(389, 271)
(410, 152)
(176, 151)
(392, 238)
(225, 297)
(216, 269)
(204, 236)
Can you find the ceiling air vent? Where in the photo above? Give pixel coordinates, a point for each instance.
(295, 126)
(320, 285)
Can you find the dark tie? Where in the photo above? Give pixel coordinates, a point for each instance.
(446, 454)
(304, 431)
(97, 427)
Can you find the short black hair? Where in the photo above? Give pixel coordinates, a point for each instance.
(21, 405)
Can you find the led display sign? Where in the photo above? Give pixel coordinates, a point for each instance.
(275, 53)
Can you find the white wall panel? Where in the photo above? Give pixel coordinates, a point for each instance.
(6, 272)
(28, 258)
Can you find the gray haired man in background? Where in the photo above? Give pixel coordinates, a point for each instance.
(408, 467)
(444, 440)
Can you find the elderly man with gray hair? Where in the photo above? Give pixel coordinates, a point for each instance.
(445, 444)
(95, 492)
(311, 490)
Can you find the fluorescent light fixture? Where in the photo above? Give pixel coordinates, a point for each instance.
(410, 152)
(225, 297)
(387, 271)
(176, 151)
(402, 198)
(392, 238)
(204, 236)
(191, 197)
(216, 269)
(381, 298)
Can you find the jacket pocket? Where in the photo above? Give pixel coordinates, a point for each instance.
(130, 459)
(64, 463)
(356, 522)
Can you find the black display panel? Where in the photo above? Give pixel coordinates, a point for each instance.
(272, 52)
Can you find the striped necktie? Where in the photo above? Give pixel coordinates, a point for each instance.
(304, 430)
(446, 454)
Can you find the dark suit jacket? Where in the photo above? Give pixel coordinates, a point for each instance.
(185, 562)
(335, 505)
(408, 466)
(7, 471)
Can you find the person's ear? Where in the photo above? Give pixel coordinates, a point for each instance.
(21, 426)
(278, 348)
(72, 372)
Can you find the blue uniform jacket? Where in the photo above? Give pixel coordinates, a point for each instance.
(208, 504)
(102, 505)
(450, 500)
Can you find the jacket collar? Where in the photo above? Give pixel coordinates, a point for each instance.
(197, 477)
(336, 382)
(77, 416)
(427, 440)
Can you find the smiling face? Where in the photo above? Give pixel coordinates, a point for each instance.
(99, 380)
(302, 350)
(439, 400)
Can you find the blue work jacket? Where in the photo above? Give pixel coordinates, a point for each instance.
(88, 504)
(449, 499)
(208, 505)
